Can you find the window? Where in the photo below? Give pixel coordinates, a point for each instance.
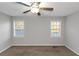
(55, 29)
(18, 28)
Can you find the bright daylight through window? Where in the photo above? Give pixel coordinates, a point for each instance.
(19, 28)
(55, 29)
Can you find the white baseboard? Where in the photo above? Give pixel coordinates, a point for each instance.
(31, 45)
(5, 49)
(72, 50)
(38, 45)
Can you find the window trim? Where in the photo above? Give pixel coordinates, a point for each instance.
(14, 29)
(59, 33)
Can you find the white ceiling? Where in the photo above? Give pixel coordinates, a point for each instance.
(60, 8)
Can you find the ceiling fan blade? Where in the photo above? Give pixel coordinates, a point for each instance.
(47, 9)
(32, 3)
(38, 3)
(26, 11)
(39, 14)
(23, 4)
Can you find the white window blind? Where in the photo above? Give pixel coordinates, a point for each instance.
(18, 28)
(55, 28)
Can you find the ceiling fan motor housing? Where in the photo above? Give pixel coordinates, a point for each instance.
(39, 14)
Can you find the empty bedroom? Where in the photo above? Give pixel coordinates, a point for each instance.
(39, 28)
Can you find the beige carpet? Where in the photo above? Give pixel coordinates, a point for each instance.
(37, 51)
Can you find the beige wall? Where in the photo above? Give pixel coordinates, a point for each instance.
(37, 31)
(5, 40)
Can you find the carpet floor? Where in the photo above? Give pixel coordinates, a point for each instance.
(37, 51)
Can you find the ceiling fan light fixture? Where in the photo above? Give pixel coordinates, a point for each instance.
(34, 10)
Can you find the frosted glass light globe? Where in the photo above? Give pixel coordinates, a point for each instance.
(34, 10)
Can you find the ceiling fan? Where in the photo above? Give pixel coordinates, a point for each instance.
(34, 8)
